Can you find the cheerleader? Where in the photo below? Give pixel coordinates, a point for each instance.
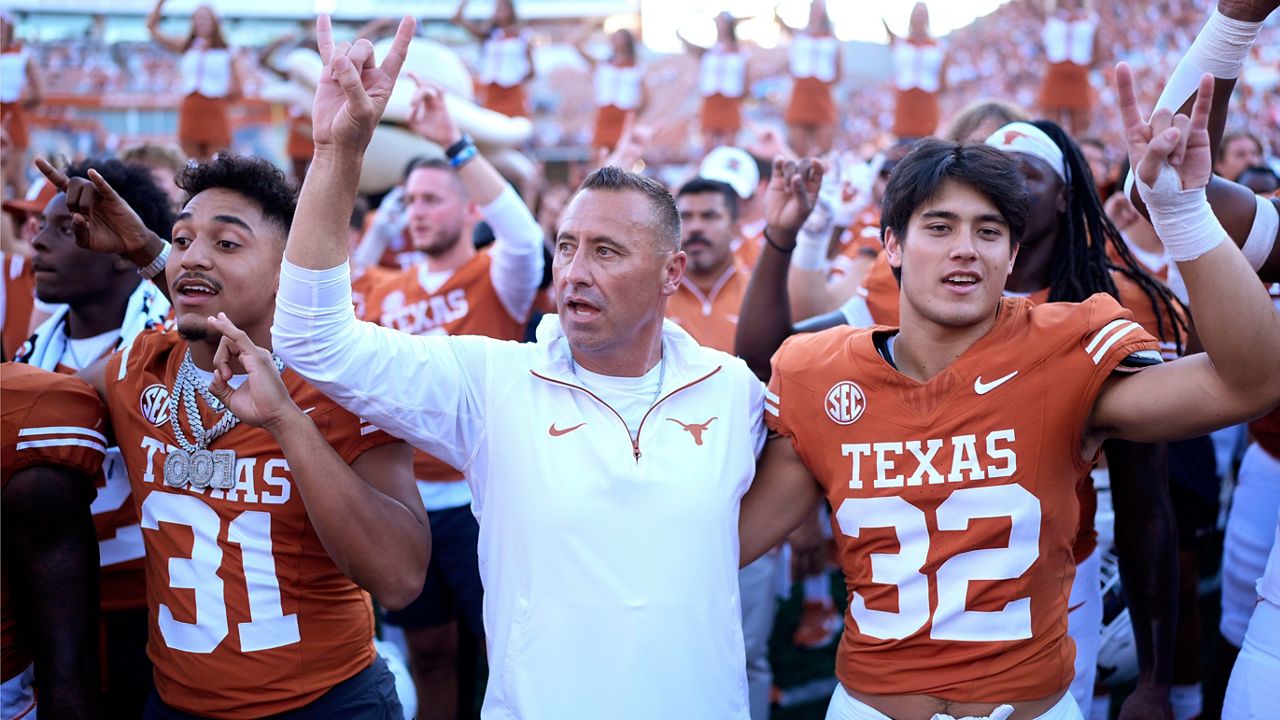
(919, 75)
(722, 82)
(619, 88)
(211, 81)
(20, 92)
(815, 68)
(506, 58)
(1070, 37)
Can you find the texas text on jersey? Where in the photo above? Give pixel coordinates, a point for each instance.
(955, 504)
(47, 420)
(248, 615)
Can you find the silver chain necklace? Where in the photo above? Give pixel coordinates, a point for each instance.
(194, 463)
(662, 373)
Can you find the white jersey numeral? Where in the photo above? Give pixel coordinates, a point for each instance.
(951, 621)
(268, 626)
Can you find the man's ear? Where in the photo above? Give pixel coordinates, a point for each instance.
(893, 248)
(673, 272)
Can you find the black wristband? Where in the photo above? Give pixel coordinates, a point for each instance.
(453, 150)
(776, 246)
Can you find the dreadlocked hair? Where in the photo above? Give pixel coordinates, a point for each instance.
(1082, 267)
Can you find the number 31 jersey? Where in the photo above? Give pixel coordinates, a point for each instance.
(247, 614)
(954, 499)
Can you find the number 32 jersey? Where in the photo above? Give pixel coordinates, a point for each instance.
(955, 499)
(247, 614)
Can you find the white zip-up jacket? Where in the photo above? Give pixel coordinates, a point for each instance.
(610, 566)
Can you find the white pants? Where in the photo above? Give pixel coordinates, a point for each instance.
(758, 584)
(1084, 626)
(1254, 690)
(1250, 534)
(17, 695)
(846, 707)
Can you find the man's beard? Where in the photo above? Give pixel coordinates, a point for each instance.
(443, 246)
(194, 333)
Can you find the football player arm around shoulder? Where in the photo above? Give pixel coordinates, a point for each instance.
(1238, 377)
(368, 515)
(782, 496)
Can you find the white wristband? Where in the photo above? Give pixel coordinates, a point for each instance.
(156, 266)
(1182, 218)
(813, 239)
(1222, 45)
(1262, 236)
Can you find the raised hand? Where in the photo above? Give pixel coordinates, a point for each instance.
(100, 219)
(789, 198)
(429, 114)
(262, 400)
(353, 90)
(1176, 141)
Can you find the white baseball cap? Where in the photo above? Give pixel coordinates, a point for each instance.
(733, 166)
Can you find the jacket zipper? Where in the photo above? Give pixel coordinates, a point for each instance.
(635, 444)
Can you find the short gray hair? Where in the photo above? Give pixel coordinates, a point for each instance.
(666, 216)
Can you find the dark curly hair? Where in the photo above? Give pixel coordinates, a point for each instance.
(1081, 266)
(252, 177)
(135, 185)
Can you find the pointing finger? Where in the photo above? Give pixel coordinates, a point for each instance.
(53, 174)
(394, 60)
(103, 187)
(324, 38)
(1129, 112)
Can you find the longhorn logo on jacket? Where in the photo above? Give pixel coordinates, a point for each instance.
(694, 429)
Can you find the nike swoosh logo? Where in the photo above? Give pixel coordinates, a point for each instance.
(553, 431)
(983, 388)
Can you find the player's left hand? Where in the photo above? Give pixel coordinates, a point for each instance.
(1177, 141)
(1146, 702)
(262, 400)
(353, 90)
(789, 199)
(429, 114)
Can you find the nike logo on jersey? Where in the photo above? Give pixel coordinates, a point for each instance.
(983, 388)
(554, 431)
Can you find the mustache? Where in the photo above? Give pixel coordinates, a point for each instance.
(192, 275)
(696, 238)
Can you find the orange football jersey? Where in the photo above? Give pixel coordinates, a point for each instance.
(955, 499)
(248, 615)
(19, 301)
(880, 290)
(711, 318)
(47, 420)
(466, 304)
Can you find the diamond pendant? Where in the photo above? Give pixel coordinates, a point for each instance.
(200, 472)
(224, 469)
(201, 469)
(177, 468)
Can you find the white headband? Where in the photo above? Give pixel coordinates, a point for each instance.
(1030, 140)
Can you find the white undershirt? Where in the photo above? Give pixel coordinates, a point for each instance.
(80, 354)
(631, 397)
